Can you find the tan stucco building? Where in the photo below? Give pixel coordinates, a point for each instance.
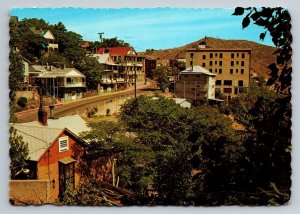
(231, 67)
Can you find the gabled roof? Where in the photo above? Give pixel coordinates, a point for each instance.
(117, 51)
(104, 59)
(197, 70)
(57, 72)
(38, 138)
(41, 32)
(74, 123)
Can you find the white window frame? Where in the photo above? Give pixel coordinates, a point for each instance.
(60, 140)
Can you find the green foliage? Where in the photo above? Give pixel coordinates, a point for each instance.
(86, 194)
(92, 69)
(161, 76)
(15, 77)
(18, 152)
(240, 106)
(110, 42)
(277, 22)
(22, 102)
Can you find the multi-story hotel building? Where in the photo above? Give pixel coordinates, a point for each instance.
(231, 67)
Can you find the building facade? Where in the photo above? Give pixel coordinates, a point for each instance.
(126, 64)
(195, 83)
(64, 84)
(231, 67)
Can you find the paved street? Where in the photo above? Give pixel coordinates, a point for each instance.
(79, 106)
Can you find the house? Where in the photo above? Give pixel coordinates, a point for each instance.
(48, 35)
(111, 77)
(51, 151)
(129, 64)
(230, 65)
(65, 84)
(195, 83)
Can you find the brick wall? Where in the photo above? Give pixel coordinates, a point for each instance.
(52, 172)
(30, 191)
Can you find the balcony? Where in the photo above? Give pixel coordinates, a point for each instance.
(79, 84)
(53, 46)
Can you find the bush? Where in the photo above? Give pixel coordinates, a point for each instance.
(90, 112)
(22, 102)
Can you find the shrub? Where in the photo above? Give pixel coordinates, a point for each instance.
(22, 102)
(90, 112)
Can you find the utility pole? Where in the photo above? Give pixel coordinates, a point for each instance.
(134, 80)
(100, 35)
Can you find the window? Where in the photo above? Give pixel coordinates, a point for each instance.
(232, 55)
(192, 55)
(220, 71)
(227, 90)
(63, 144)
(191, 62)
(211, 55)
(237, 71)
(216, 55)
(221, 55)
(218, 82)
(210, 63)
(210, 70)
(216, 62)
(227, 82)
(220, 63)
(216, 70)
(242, 63)
(232, 63)
(231, 71)
(241, 83)
(203, 57)
(237, 62)
(242, 71)
(237, 54)
(203, 64)
(243, 55)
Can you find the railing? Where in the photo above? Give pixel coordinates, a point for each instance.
(80, 84)
(52, 45)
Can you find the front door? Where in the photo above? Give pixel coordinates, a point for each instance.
(66, 177)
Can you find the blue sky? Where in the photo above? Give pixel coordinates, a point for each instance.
(157, 28)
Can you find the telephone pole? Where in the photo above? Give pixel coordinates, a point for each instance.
(100, 35)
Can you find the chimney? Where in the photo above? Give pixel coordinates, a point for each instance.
(51, 111)
(42, 113)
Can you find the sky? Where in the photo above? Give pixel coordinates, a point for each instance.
(157, 28)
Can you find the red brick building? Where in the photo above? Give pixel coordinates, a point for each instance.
(52, 152)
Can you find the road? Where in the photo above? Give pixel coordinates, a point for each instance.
(79, 106)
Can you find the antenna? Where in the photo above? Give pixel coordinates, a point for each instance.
(100, 35)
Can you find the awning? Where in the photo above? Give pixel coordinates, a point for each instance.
(67, 160)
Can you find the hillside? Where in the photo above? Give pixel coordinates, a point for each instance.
(262, 55)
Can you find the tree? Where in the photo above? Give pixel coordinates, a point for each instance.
(277, 22)
(92, 69)
(185, 140)
(269, 145)
(15, 77)
(18, 152)
(161, 76)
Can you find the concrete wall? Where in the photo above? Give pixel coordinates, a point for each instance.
(28, 94)
(30, 191)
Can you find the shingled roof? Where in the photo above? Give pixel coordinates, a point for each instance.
(117, 51)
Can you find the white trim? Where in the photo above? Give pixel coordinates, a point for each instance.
(64, 147)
